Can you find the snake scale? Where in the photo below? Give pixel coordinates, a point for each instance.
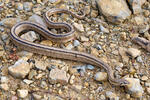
(58, 52)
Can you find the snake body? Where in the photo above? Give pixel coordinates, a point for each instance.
(57, 52)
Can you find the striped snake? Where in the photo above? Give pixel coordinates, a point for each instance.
(57, 52)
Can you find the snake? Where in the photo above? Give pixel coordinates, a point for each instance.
(61, 38)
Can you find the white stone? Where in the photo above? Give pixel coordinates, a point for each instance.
(22, 93)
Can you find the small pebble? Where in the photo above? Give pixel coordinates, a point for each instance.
(76, 43)
(100, 76)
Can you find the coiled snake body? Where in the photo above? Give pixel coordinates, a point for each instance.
(57, 52)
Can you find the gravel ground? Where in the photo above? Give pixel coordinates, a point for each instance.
(104, 33)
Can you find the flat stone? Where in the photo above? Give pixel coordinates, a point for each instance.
(115, 11)
(20, 69)
(22, 93)
(133, 52)
(29, 36)
(134, 87)
(56, 75)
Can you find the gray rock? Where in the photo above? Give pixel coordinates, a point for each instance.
(134, 87)
(37, 19)
(27, 6)
(20, 69)
(22, 93)
(56, 75)
(115, 11)
(76, 43)
(29, 36)
(136, 5)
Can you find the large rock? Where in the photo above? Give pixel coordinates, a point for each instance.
(136, 5)
(56, 75)
(20, 69)
(115, 11)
